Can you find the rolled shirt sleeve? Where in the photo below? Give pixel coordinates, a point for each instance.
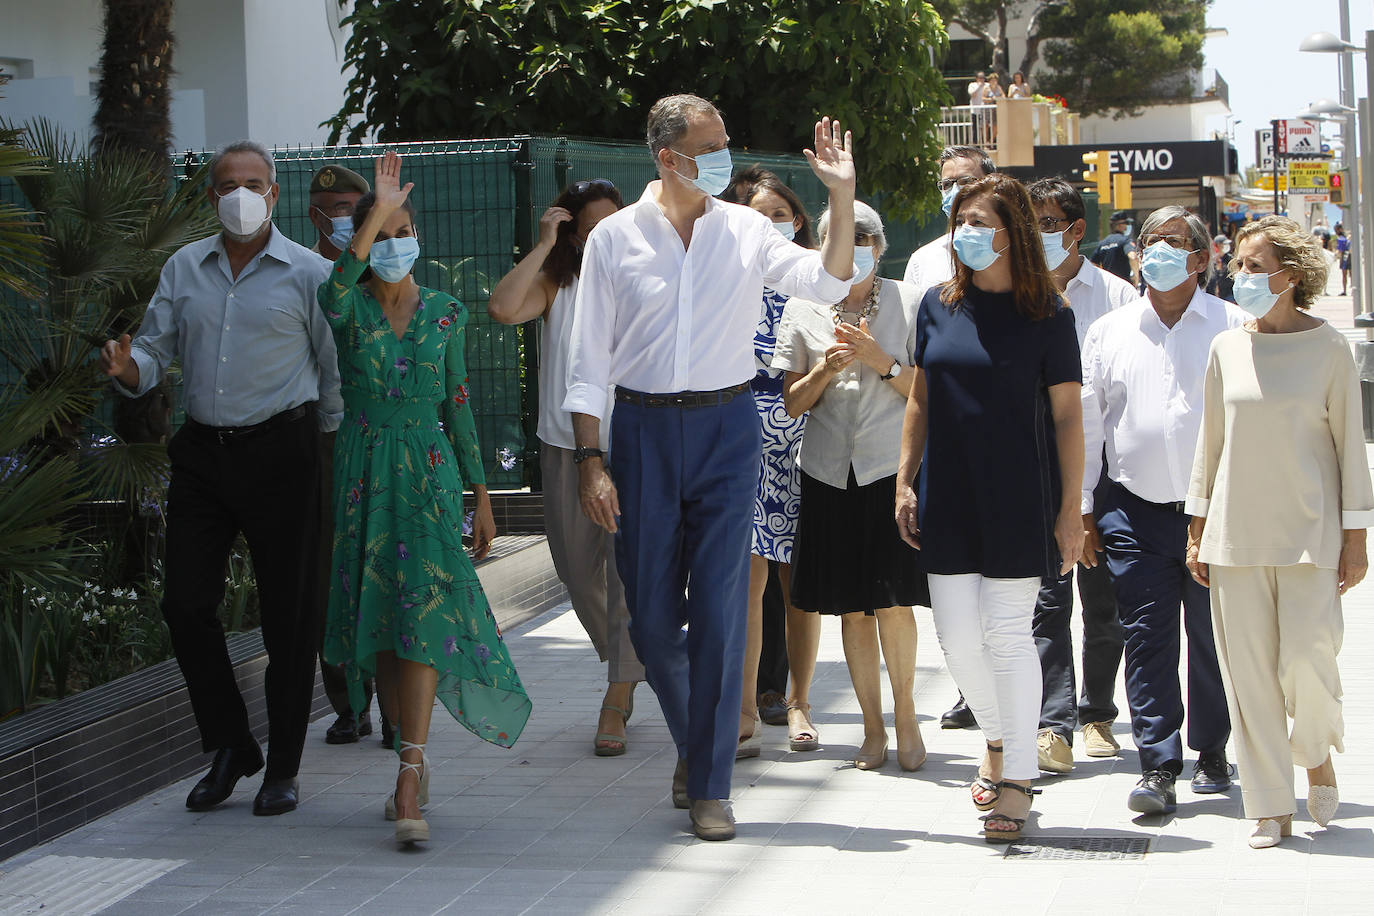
(797, 271)
(589, 355)
(1094, 434)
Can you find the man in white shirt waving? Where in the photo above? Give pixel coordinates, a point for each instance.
(666, 312)
(1143, 369)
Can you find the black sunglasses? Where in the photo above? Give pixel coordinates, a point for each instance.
(600, 184)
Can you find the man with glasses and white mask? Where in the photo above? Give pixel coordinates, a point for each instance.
(1092, 292)
(666, 312)
(933, 263)
(1143, 370)
(261, 381)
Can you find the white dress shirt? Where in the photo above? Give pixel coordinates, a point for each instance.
(250, 346)
(931, 264)
(1143, 395)
(858, 420)
(655, 317)
(1092, 293)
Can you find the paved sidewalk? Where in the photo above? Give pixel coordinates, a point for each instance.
(549, 828)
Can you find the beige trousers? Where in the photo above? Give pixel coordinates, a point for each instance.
(1278, 630)
(584, 558)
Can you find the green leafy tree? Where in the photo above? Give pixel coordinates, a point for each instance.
(434, 69)
(1102, 56)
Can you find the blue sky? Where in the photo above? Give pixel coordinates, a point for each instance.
(1269, 78)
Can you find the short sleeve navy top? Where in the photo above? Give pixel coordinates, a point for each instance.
(989, 482)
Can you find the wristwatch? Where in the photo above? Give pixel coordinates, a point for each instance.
(582, 453)
(893, 371)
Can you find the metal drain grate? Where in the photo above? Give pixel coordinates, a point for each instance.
(1101, 848)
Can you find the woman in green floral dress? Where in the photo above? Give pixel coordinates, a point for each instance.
(405, 603)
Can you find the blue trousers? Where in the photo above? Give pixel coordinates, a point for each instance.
(1060, 710)
(1146, 545)
(686, 479)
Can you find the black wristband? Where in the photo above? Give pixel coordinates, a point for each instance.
(582, 453)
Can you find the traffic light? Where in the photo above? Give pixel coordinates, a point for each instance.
(1099, 173)
(1121, 190)
(1337, 188)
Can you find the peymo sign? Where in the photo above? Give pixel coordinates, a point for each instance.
(1143, 161)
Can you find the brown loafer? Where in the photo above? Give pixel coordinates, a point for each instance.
(711, 820)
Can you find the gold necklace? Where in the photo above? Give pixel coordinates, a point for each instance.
(869, 310)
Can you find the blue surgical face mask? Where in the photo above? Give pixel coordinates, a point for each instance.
(713, 171)
(947, 199)
(973, 246)
(342, 231)
(1055, 252)
(863, 262)
(1253, 294)
(1165, 267)
(392, 259)
(787, 230)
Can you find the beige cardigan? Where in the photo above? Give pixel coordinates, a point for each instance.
(1280, 467)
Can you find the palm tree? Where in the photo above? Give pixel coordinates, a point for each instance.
(135, 79)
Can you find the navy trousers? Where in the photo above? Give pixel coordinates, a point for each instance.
(1145, 545)
(686, 479)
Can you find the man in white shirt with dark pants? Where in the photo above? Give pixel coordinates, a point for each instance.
(1143, 369)
(666, 312)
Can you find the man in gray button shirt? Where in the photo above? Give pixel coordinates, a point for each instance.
(261, 380)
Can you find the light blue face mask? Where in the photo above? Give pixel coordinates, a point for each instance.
(342, 232)
(786, 230)
(392, 259)
(947, 199)
(1164, 267)
(1055, 252)
(863, 262)
(1253, 294)
(713, 171)
(973, 246)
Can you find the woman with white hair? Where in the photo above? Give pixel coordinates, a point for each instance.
(848, 363)
(1280, 498)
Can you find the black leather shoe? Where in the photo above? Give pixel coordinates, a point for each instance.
(277, 796)
(1212, 774)
(388, 735)
(343, 731)
(231, 764)
(960, 716)
(1154, 794)
(773, 708)
(364, 725)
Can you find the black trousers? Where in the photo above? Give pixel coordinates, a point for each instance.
(335, 684)
(265, 485)
(773, 655)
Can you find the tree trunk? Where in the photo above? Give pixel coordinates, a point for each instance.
(135, 93)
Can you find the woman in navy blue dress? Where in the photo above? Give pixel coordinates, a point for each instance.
(994, 424)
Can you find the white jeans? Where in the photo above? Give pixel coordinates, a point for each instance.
(984, 628)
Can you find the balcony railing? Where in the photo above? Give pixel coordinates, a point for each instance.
(1010, 130)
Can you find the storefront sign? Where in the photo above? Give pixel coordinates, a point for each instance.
(1142, 161)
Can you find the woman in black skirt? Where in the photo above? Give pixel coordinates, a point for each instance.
(848, 363)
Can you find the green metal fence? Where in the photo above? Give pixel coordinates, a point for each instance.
(479, 202)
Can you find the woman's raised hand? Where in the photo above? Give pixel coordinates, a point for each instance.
(386, 184)
(549, 223)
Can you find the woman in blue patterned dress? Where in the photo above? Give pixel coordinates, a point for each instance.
(405, 602)
(779, 496)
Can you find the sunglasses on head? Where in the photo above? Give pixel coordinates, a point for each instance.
(600, 184)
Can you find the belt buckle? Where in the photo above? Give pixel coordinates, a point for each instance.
(223, 435)
(678, 400)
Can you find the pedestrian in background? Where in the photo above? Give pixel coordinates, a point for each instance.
(1091, 292)
(666, 312)
(1280, 499)
(261, 380)
(777, 501)
(993, 424)
(1343, 256)
(407, 605)
(1116, 252)
(848, 363)
(1143, 368)
(544, 285)
(1018, 88)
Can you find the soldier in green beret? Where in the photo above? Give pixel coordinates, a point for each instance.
(334, 192)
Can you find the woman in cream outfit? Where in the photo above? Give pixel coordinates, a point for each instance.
(1280, 498)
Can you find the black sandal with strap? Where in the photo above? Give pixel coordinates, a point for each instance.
(1006, 836)
(983, 785)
